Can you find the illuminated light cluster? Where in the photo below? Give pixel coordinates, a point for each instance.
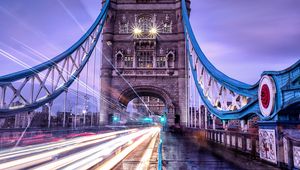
(153, 31)
(137, 31)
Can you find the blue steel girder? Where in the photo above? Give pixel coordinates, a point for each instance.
(287, 84)
(206, 76)
(81, 51)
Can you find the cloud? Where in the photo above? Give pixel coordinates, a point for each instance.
(259, 35)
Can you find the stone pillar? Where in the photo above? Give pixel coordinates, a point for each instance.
(214, 122)
(224, 124)
(182, 80)
(195, 117)
(205, 118)
(200, 118)
(188, 117)
(191, 118)
(242, 125)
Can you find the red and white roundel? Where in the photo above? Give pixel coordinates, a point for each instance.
(266, 95)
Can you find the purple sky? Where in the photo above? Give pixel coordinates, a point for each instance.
(241, 38)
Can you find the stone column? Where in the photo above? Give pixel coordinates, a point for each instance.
(214, 122)
(200, 118)
(191, 118)
(244, 127)
(195, 117)
(106, 67)
(224, 124)
(205, 118)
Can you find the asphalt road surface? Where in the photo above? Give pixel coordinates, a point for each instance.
(179, 153)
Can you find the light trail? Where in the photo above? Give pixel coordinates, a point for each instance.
(49, 80)
(145, 161)
(71, 15)
(88, 157)
(106, 150)
(119, 157)
(45, 153)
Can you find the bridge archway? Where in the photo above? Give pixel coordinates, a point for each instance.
(128, 95)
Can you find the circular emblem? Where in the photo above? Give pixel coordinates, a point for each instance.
(266, 95)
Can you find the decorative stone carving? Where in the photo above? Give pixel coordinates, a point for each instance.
(161, 51)
(296, 155)
(124, 25)
(128, 51)
(267, 145)
(167, 24)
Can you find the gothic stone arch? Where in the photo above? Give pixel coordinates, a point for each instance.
(128, 94)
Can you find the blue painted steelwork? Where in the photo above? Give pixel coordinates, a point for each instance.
(287, 82)
(232, 84)
(246, 111)
(7, 79)
(43, 66)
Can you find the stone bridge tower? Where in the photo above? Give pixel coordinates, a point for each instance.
(144, 40)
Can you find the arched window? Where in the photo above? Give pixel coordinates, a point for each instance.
(119, 59)
(171, 59)
(145, 23)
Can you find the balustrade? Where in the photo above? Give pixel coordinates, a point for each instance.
(248, 143)
(291, 151)
(243, 142)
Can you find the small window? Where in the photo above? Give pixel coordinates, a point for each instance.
(161, 61)
(128, 61)
(145, 59)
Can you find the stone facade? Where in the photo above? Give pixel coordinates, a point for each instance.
(144, 40)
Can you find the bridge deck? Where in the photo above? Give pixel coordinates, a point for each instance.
(180, 153)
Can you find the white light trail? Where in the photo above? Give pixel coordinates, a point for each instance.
(52, 150)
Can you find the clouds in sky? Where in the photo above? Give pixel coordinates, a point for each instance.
(242, 38)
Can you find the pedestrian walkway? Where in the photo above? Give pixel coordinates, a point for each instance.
(179, 153)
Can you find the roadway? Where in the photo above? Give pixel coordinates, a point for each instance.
(100, 151)
(180, 153)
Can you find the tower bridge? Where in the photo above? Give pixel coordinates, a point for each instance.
(146, 49)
